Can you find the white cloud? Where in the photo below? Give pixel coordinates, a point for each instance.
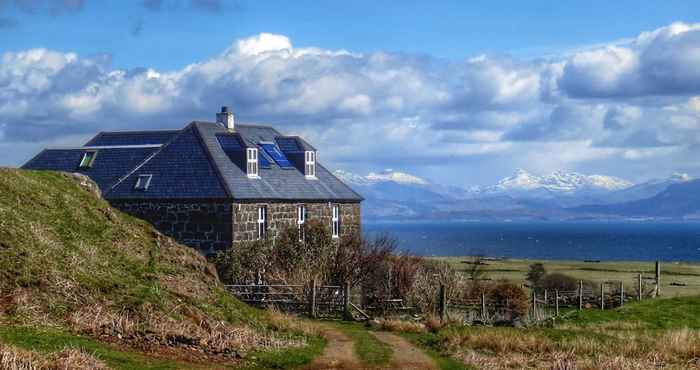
(616, 103)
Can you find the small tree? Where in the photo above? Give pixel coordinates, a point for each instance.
(535, 273)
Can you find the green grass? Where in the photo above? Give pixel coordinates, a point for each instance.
(52, 340)
(661, 313)
(287, 358)
(428, 342)
(368, 348)
(625, 271)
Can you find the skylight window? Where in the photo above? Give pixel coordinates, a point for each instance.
(276, 155)
(252, 162)
(88, 159)
(142, 182)
(310, 164)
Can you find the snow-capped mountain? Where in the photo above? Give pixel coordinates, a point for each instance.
(523, 183)
(646, 189)
(387, 175)
(397, 195)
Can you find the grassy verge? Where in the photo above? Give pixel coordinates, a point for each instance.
(668, 313)
(368, 348)
(653, 333)
(428, 343)
(287, 358)
(51, 340)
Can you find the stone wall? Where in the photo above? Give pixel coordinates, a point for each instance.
(281, 215)
(206, 226)
(216, 225)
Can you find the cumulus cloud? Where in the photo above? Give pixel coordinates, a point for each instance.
(620, 103)
(661, 62)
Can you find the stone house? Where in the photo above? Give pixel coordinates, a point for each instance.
(212, 184)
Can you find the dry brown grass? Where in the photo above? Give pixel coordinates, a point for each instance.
(194, 329)
(402, 326)
(281, 321)
(12, 358)
(496, 348)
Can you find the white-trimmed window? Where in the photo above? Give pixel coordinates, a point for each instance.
(310, 164)
(335, 221)
(301, 220)
(88, 159)
(262, 222)
(252, 162)
(142, 182)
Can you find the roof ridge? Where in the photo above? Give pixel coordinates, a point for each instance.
(222, 180)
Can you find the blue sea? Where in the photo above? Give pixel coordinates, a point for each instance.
(639, 241)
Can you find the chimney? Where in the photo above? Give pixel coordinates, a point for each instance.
(225, 118)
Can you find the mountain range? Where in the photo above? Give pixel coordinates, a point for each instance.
(561, 195)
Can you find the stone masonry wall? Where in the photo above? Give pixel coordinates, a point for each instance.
(281, 215)
(206, 226)
(214, 226)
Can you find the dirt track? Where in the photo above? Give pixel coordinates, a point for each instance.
(339, 353)
(406, 355)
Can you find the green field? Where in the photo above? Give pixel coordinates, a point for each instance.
(625, 271)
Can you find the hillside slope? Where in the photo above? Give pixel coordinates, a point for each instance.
(70, 261)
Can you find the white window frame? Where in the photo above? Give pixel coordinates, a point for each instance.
(252, 162)
(335, 221)
(310, 164)
(88, 159)
(262, 222)
(301, 220)
(143, 182)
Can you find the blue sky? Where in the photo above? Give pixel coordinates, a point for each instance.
(176, 33)
(459, 92)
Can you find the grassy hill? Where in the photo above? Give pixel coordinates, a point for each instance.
(73, 267)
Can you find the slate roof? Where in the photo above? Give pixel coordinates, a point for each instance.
(110, 163)
(203, 160)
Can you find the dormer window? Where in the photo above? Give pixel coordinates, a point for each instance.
(252, 162)
(310, 164)
(142, 182)
(88, 159)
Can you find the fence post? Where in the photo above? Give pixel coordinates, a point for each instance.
(346, 302)
(556, 301)
(442, 301)
(580, 295)
(313, 298)
(483, 306)
(639, 292)
(602, 295)
(622, 294)
(545, 298)
(657, 290)
(534, 304)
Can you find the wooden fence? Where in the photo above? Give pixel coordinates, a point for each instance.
(547, 304)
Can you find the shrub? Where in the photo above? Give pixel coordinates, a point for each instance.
(558, 281)
(289, 260)
(510, 296)
(535, 273)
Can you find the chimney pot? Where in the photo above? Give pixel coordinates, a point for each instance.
(225, 118)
